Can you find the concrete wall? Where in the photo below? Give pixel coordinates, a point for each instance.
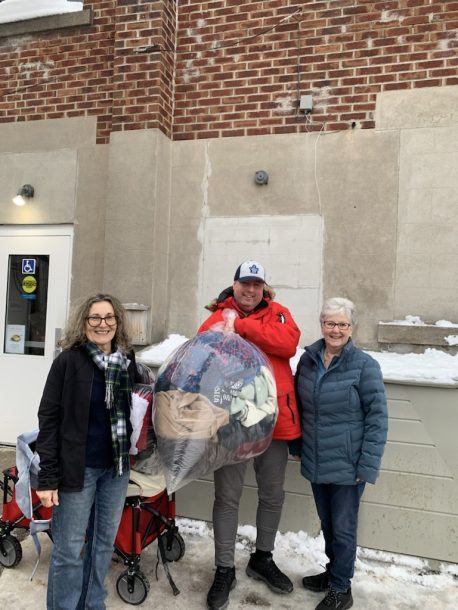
(221, 217)
(165, 223)
(349, 180)
(412, 508)
(427, 207)
(60, 159)
(137, 222)
(387, 199)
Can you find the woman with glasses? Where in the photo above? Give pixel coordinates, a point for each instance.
(83, 444)
(342, 402)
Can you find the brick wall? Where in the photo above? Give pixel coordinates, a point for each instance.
(239, 67)
(60, 73)
(143, 80)
(234, 80)
(94, 70)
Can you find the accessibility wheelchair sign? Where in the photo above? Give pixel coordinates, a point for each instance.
(29, 265)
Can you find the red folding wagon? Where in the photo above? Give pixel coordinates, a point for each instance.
(148, 515)
(13, 519)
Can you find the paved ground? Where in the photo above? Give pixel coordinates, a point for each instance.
(7, 457)
(377, 586)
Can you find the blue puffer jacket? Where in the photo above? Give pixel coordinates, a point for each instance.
(343, 415)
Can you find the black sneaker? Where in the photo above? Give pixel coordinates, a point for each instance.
(223, 583)
(336, 599)
(265, 568)
(317, 582)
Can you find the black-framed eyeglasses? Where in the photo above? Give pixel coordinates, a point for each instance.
(95, 321)
(340, 325)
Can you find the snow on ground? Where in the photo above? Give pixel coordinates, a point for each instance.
(382, 580)
(17, 10)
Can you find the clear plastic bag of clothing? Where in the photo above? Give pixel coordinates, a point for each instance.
(215, 404)
(144, 456)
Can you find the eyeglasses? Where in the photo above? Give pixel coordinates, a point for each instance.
(97, 320)
(340, 325)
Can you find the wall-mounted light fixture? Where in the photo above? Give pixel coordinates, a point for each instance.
(25, 192)
(261, 177)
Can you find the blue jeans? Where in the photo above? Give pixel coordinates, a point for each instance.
(338, 507)
(84, 527)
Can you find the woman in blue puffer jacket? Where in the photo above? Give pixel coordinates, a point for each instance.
(344, 419)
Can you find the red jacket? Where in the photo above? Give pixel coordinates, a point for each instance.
(271, 328)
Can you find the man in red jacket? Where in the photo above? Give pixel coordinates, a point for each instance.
(248, 309)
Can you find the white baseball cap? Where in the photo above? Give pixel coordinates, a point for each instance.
(250, 270)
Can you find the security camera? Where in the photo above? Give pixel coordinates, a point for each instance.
(261, 177)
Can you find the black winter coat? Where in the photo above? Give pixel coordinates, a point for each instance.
(63, 418)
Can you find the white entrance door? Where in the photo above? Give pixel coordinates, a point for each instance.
(34, 295)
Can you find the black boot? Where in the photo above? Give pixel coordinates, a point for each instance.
(336, 599)
(262, 567)
(316, 582)
(223, 583)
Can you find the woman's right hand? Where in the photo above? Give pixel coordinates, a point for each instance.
(49, 497)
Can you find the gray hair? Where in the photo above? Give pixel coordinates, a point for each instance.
(339, 305)
(74, 333)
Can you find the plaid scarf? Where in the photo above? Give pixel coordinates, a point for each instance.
(118, 390)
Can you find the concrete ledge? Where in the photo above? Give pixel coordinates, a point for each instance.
(42, 24)
(425, 334)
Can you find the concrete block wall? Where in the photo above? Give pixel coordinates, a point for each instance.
(411, 509)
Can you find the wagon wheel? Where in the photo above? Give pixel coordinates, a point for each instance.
(173, 548)
(10, 551)
(132, 588)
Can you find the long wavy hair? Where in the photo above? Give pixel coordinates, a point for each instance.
(74, 333)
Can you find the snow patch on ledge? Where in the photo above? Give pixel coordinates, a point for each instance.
(433, 366)
(417, 321)
(154, 355)
(451, 339)
(407, 321)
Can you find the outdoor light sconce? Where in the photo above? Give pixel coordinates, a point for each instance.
(25, 192)
(261, 177)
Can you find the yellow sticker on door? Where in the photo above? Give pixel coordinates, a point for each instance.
(29, 284)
